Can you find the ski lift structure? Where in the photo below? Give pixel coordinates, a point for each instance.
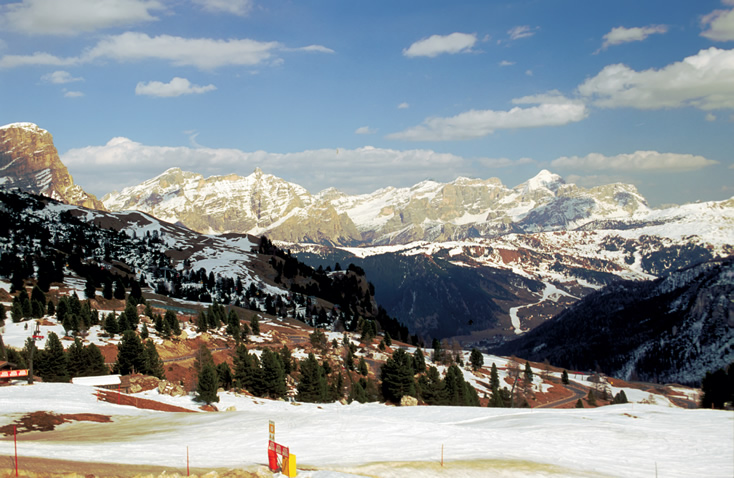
(37, 332)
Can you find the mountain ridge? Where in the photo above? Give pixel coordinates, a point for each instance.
(29, 161)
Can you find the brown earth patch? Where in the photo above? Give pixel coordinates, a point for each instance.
(47, 421)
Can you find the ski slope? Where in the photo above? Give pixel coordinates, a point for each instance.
(334, 440)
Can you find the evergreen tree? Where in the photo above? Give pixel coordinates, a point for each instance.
(90, 288)
(3, 315)
(620, 397)
(362, 367)
(224, 373)
(107, 289)
(110, 324)
(233, 325)
(476, 359)
(579, 403)
(718, 388)
(16, 312)
(55, 365)
(95, 361)
(245, 368)
(202, 323)
(273, 375)
(119, 293)
(172, 321)
(287, 359)
(432, 387)
(312, 386)
(494, 377)
(131, 355)
(419, 360)
(528, 373)
(388, 339)
(37, 295)
(203, 357)
(77, 359)
(349, 360)
(153, 362)
(437, 353)
(208, 383)
(255, 324)
(397, 376)
(564, 378)
(144, 334)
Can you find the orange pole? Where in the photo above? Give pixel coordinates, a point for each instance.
(187, 461)
(15, 443)
(442, 455)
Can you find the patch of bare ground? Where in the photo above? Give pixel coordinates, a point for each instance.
(47, 421)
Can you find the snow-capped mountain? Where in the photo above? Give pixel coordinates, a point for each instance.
(429, 211)
(29, 161)
(668, 330)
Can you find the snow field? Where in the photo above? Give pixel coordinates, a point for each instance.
(623, 440)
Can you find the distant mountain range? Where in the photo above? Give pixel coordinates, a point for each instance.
(472, 258)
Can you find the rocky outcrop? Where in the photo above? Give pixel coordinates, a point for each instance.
(29, 161)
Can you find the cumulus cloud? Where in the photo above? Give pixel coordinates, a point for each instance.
(403, 106)
(704, 80)
(620, 35)
(240, 8)
(201, 53)
(719, 24)
(552, 109)
(637, 161)
(506, 63)
(73, 94)
(438, 44)
(176, 87)
(365, 130)
(48, 17)
(123, 162)
(60, 77)
(523, 31)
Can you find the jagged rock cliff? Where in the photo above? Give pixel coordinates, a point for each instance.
(29, 161)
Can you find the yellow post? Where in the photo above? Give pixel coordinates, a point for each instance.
(289, 466)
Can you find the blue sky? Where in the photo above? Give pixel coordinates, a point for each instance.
(363, 95)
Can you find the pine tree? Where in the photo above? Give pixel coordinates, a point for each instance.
(528, 374)
(224, 373)
(55, 365)
(273, 375)
(203, 357)
(287, 359)
(564, 377)
(312, 386)
(3, 315)
(255, 324)
(476, 359)
(419, 360)
(579, 403)
(130, 354)
(362, 367)
(95, 361)
(494, 378)
(208, 383)
(153, 362)
(77, 359)
(397, 376)
(119, 293)
(107, 290)
(620, 397)
(591, 398)
(90, 288)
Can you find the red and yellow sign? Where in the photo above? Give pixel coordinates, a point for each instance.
(13, 373)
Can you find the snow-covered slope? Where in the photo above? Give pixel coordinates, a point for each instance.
(338, 441)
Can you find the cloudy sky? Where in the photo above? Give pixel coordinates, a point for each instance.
(363, 95)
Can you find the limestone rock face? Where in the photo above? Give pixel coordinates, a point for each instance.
(29, 161)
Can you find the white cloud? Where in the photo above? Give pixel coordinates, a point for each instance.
(704, 80)
(365, 130)
(529, 72)
(123, 162)
(552, 110)
(73, 94)
(637, 161)
(620, 35)
(202, 53)
(241, 8)
(710, 117)
(71, 17)
(438, 44)
(506, 63)
(60, 77)
(719, 24)
(523, 31)
(36, 59)
(176, 87)
(314, 48)
(403, 106)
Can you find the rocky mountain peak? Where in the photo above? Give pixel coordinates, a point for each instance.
(29, 161)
